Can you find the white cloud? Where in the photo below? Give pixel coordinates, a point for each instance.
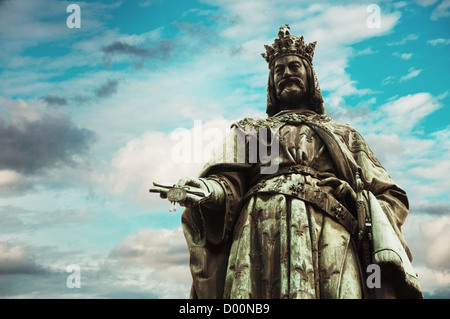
(438, 251)
(436, 170)
(441, 11)
(409, 37)
(163, 158)
(387, 147)
(114, 281)
(438, 41)
(443, 136)
(156, 248)
(21, 111)
(8, 177)
(250, 14)
(344, 25)
(366, 51)
(13, 183)
(387, 80)
(427, 237)
(399, 152)
(428, 173)
(435, 283)
(412, 73)
(403, 56)
(405, 112)
(161, 253)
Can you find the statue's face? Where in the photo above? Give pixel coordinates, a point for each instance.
(290, 79)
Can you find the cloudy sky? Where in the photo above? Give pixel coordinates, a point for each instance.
(88, 118)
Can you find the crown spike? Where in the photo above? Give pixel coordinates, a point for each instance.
(288, 44)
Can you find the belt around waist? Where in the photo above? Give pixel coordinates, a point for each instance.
(294, 169)
(315, 196)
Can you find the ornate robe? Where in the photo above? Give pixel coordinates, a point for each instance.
(281, 235)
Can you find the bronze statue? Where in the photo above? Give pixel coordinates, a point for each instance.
(311, 228)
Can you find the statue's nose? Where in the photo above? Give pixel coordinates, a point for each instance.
(287, 72)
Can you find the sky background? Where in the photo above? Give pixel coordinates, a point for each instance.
(87, 116)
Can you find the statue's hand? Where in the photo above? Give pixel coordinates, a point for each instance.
(195, 190)
(214, 197)
(341, 189)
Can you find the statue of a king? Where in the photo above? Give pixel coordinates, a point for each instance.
(313, 227)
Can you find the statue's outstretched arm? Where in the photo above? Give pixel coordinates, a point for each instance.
(189, 191)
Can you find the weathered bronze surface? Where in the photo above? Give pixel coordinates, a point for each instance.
(313, 227)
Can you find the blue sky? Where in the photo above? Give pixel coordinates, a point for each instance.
(87, 116)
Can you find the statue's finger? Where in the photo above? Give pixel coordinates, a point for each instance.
(191, 181)
(183, 181)
(156, 189)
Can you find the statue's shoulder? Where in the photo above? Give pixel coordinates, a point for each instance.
(354, 141)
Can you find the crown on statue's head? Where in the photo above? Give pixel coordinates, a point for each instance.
(288, 44)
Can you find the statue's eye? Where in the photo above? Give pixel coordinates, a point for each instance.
(295, 67)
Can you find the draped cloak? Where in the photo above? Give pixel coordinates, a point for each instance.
(280, 235)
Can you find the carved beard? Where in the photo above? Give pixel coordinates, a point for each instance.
(292, 90)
